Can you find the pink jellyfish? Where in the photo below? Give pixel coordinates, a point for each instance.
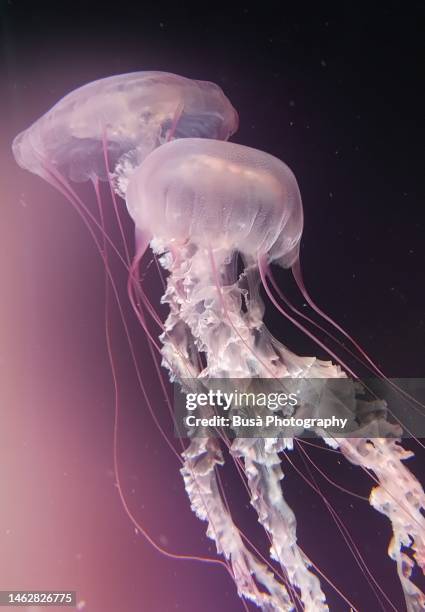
(200, 204)
(123, 117)
(101, 132)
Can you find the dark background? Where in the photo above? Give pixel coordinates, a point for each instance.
(337, 93)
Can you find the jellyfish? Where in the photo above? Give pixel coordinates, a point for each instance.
(122, 117)
(204, 205)
(103, 130)
(99, 133)
(200, 204)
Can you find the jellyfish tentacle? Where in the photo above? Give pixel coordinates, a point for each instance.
(114, 195)
(177, 114)
(203, 454)
(201, 458)
(365, 359)
(384, 458)
(262, 265)
(264, 472)
(193, 298)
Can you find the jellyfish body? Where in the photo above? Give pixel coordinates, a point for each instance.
(233, 198)
(200, 203)
(129, 115)
(209, 202)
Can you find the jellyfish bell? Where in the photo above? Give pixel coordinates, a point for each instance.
(104, 129)
(223, 196)
(126, 114)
